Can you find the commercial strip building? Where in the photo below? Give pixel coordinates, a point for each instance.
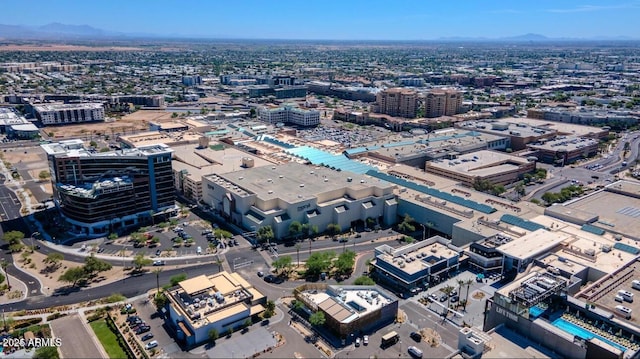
(419, 264)
(103, 192)
(397, 102)
(280, 194)
(495, 167)
(349, 310)
(16, 126)
(63, 114)
(221, 301)
(289, 114)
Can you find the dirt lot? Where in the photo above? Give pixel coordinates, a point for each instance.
(135, 122)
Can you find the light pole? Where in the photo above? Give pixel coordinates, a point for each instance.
(124, 250)
(31, 238)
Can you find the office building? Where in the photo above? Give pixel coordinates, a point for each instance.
(278, 195)
(397, 102)
(564, 149)
(103, 192)
(140, 100)
(193, 80)
(221, 301)
(63, 114)
(289, 114)
(419, 264)
(350, 310)
(442, 103)
(496, 167)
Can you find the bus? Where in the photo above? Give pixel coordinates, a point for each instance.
(390, 339)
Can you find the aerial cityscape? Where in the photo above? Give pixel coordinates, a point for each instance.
(324, 180)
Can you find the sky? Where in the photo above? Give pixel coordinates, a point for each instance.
(337, 19)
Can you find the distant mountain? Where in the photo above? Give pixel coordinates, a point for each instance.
(55, 31)
(76, 30)
(526, 37)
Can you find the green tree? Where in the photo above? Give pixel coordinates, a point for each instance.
(174, 280)
(283, 263)
(213, 335)
(265, 234)
(319, 262)
(93, 265)
(140, 261)
(408, 239)
(46, 353)
(53, 259)
(73, 275)
(43, 175)
(317, 318)
(2, 278)
(344, 263)
(364, 280)
(112, 236)
(14, 238)
(405, 225)
(160, 300)
(295, 229)
(333, 229)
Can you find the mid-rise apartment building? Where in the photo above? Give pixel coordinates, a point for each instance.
(102, 193)
(398, 102)
(62, 114)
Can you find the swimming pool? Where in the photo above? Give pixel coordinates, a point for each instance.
(535, 311)
(583, 333)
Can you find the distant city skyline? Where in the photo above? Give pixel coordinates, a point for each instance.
(338, 20)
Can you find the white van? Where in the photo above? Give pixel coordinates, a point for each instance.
(635, 284)
(623, 311)
(199, 250)
(627, 296)
(152, 344)
(415, 352)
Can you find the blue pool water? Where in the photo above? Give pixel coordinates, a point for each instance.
(582, 333)
(535, 312)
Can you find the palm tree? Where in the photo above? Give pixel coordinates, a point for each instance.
(157, 272)
(298, 252)
(468, 283)
(219, 262)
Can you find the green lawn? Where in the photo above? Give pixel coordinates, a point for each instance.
(108, 339)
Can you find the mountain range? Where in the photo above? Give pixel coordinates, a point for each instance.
(58, 31)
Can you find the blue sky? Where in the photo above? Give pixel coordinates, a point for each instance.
(337, 19)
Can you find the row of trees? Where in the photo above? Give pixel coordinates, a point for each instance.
(92, 266)
(565, 194)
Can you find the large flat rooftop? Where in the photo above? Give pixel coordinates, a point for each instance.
(565, 143)
(621, 212)
(532, 244)
(292, 182)
(479, 163)
(75, 148)
(346, 304)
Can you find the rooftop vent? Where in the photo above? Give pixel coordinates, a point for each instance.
(301, 184)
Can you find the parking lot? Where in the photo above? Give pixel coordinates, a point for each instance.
(166, 345)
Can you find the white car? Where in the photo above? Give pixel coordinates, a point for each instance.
(357, 342)
(365, 340)
(152, 344)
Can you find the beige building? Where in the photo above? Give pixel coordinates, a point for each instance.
(397, 102)
(495, 167)
(442, 103)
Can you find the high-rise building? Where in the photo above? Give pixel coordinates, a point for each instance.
(102, 193)
(398, 102)
(442, 103)
(193, 80)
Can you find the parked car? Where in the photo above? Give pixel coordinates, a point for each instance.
(273, 279)
(100, 250)
(443, 297)
(454, 299)
(357, 342)
(158, 253)
(415, 352)
(365, 340)
(416, 336)
(143, 329)
(146, 337)
(260, 274)
(152, 344)
(158, 263)
(132, 318)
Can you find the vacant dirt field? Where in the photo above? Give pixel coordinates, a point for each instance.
(135, 122)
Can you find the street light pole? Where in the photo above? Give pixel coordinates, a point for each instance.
(123, 253)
